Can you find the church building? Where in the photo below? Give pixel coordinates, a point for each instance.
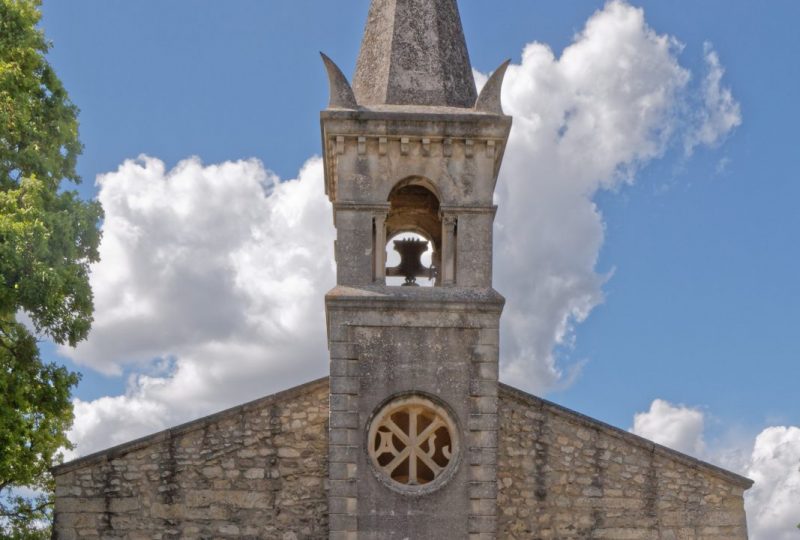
(411, 437)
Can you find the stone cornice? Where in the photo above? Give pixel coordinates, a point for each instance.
(427, 121)
(418, 299)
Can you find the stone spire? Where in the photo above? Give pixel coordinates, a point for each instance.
(414, 53)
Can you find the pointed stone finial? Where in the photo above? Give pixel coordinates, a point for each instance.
(414, 53)
(489, 99)
(341, 94)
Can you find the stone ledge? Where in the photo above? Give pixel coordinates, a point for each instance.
(424, 114)
(340, 453)
(381, 297)
(630, 438)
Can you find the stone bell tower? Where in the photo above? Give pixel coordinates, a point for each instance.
(411, 148)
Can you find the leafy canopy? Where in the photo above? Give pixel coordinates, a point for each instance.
(48, 238)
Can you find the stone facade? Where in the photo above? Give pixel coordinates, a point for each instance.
(255, 471)
(260, 471)
(394, 346)
(412, 437)
(562, 475)
(406, 151)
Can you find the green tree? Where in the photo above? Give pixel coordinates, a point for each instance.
(48, 238)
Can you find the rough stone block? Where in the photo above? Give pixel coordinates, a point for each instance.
(343, 522)
(483, 490)
(344, 403)
(343, 454)
(483, 388)
(344, 385)
(344, 420)
(483, 422)
(485, 353)
(343, 505)
(344, 437)
(343, 351)
(343, 488)
(344, 368)
(487, 371)
(482, 524)
(482, 439)
(482, 473)
(483, 405)
(342, 471)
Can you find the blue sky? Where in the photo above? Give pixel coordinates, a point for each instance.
(701, 308)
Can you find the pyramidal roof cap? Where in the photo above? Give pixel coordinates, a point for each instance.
(414, 53)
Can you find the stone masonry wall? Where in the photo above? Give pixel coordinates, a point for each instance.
(260, 471)
(564, 476)
(256, 471)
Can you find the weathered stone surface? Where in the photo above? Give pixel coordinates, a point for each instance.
(489, 99)
(412, 155)
(457, 156)
(341, 94)
(414, 53)
(564, 476)
(256, 471)
(415, 342)
(560, 475)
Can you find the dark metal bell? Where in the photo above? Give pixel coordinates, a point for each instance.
(410, 267)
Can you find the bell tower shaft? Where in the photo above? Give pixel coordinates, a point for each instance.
(413, 399)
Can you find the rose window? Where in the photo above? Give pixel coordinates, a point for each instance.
(412, 442)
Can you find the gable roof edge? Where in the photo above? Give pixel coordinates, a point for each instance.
(119, 450)
(626, 436)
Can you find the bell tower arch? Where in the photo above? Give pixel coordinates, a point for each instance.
(413, 399)
(414, 208)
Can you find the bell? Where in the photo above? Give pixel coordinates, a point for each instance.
(410, 267)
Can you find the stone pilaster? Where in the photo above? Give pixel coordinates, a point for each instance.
(482, 437)
(344, 436)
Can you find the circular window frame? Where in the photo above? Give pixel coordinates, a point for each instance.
(391, 406)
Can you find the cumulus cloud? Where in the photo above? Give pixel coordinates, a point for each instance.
(719, 114)
(773, 503)
(583, 122)
(676, 426)
(772, 462)
(210, 288)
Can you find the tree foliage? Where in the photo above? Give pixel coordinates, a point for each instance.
(48, 238)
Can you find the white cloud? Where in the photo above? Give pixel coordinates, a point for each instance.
(210, 288)
(772, 462)
(98, 423)
(582, 122)
(218, 273)
(720, 113)
(676, 426)
(773, 503)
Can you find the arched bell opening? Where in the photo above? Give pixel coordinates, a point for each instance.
(414, 228)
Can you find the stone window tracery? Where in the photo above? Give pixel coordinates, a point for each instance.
(412, 442)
